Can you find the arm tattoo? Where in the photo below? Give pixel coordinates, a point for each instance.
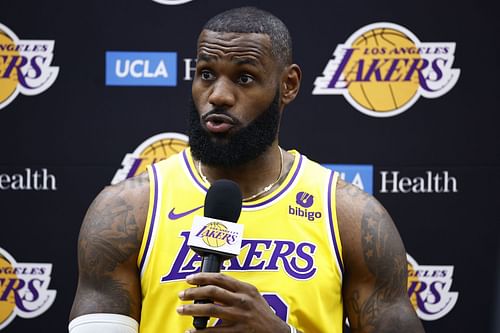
(110, 237)
(383, 254)
(117, 299)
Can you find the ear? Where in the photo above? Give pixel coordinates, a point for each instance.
(290, 83)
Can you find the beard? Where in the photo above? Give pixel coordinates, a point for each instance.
(239, 147)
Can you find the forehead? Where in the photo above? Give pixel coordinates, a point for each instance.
(233, 45)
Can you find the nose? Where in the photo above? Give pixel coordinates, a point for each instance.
(222, 94)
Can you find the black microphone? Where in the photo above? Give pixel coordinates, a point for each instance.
(222, 202)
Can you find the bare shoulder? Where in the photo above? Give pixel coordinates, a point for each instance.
(362, 221)
(371, 243)
(118, 213)
(375, 281)
(108, 246)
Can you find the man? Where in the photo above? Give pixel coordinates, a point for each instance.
(315, 248)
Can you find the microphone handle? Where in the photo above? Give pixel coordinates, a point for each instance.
(211, 264)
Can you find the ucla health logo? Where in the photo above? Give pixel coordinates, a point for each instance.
(141, 68)
(360, 175)
(383, 68)
(304, 201)
(152, 150)
(25, 66)
(429, 289)
(24, 289)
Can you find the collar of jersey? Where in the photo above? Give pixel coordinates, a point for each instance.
(262, 202)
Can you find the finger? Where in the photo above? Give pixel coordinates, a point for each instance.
(215, 293)
(224, 281)
(216, 279)
(206, 310)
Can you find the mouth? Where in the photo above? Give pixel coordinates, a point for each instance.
(218, 122)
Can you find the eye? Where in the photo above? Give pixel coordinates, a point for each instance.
(245, 79)
(207, 75)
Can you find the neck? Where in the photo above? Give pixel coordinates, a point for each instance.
(254, 176)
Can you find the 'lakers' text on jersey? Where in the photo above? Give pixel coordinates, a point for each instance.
(291, 249)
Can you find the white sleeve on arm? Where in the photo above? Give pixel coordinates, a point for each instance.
(103, 323)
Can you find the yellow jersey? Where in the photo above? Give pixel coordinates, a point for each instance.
(291, 249)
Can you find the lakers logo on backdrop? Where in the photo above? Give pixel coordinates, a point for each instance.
(23, 289)
(429, 289)
(154, 149)
(24, 66)
(383, 69)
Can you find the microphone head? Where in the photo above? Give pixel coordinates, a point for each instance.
(223, 201)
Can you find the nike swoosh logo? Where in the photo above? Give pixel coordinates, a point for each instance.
(174, 216)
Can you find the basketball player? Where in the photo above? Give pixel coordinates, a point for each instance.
(315, 249)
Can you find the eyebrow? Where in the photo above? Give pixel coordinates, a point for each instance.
(206, 57)
(237, 61)
(246, 61)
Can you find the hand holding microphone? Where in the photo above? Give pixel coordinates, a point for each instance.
(239, 304)
(213, 239)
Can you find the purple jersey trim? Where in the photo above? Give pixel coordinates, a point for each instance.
(330, 218)
(184, 155)
(282, 190)
(151, 226)
(134, 168)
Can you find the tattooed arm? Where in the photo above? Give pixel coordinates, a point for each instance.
(108, 246)
(375, 284)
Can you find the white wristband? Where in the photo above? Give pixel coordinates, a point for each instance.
(292, 329)
(103, 323)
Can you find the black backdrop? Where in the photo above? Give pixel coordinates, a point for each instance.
(79, 130)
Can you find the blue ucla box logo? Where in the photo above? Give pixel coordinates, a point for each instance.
(141, 68)
(360, 175)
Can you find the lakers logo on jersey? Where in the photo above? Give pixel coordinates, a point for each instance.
(297, 259)
(280, 252)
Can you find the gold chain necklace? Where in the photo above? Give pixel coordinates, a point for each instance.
(264, 190)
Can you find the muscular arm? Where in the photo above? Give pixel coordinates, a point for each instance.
(375, 285)
(108, 245)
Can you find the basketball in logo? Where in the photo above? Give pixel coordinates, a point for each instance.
(8, 84)
(412, 279)
(25, 66)
(429, 289)
(377, 46)
(7, 306)
(215, 229)
(161, 149)
(154, 149)
(23, 289)
(383, 68)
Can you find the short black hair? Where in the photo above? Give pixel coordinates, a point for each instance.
(255, 20)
